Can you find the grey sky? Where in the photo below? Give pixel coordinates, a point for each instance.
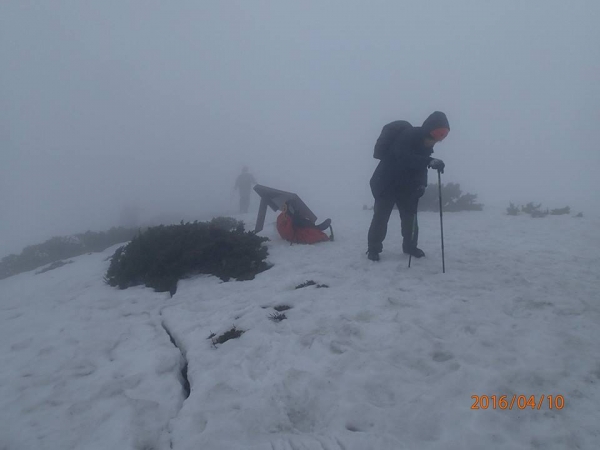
(160, 104)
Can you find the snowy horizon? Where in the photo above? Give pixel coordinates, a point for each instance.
(159, 106)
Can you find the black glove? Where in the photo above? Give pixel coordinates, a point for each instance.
(437, 164)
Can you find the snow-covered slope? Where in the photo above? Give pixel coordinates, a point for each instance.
(386, 357)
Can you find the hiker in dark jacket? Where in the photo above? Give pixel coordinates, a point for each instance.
(244, 183)
(401, 179)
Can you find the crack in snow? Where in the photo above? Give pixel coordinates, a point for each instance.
(185, 382)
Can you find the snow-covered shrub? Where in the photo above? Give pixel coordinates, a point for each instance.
(512, 210)
(536, 214)
(227, 223)
(452, 199)
(162, 255)
(530, 208)
(536, 210)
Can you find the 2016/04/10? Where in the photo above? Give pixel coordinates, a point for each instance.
(520, 401)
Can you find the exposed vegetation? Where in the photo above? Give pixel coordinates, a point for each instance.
(59, 248)
(234, 333)
(277, 317)
(538, 214)
(536, 211)
(311, 283)
(452, 199)
(160, 256)
(512, 210)
(531, 208)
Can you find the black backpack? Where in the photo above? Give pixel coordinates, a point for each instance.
(387, 137)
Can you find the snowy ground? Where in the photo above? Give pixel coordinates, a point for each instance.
(385, 358)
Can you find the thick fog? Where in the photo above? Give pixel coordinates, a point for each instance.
(157, 105)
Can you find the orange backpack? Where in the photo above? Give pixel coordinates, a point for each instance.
(297, 235)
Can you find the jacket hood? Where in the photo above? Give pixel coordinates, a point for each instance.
(436, 120)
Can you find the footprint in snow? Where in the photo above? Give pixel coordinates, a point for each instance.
(357, 426)
(21, 345)
(441, 356)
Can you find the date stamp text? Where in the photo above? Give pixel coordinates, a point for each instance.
(517, 401)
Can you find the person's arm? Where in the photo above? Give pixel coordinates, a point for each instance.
(404, 152)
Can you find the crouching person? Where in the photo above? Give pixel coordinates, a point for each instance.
(300, 230)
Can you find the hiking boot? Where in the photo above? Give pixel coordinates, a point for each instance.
(414, 251)
(373, 256)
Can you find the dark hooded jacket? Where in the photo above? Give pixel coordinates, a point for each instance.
(403, 170)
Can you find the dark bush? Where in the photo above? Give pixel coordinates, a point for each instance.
(59, 248)
(536, 214)
(452, 199)
(162, 255)
(277, 317)
(512, 210)
(530, 208)
(227, 223)
(234, 333)
(310, 283)
(536, 210)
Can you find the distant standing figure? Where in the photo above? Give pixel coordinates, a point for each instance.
(244, 183)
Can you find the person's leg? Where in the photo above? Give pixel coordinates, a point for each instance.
(409, 220)
(410, 227)
(323, 225)
(244, 202)
(378, 229)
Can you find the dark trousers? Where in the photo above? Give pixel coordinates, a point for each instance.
(244, 201)
(407, 206)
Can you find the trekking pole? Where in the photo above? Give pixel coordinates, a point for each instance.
(412, 237)
(441, 221)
